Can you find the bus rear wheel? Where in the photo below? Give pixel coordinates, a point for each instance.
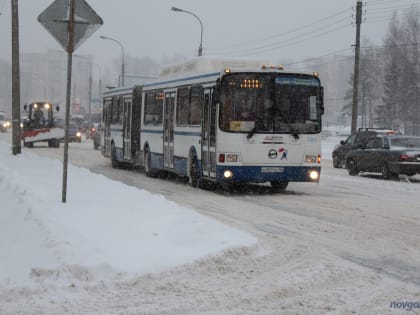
(194, 178)
(148, 164)
(114, 162)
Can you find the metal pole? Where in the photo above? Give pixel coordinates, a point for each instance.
(122, 59)
(16, 132)
(200, 48)
(68, 95)
(356, 67)
(90, 94)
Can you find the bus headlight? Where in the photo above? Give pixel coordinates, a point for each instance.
(228, 174)
(78, 134)
(231, 158)
(314, 175)
(313, 158)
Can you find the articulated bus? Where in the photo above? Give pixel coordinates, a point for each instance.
(219, 121)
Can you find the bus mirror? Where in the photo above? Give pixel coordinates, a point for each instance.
(57, 108)
(25, 107)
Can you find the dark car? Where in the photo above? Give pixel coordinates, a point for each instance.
(389, 155)
(355, 141)
(74, 133)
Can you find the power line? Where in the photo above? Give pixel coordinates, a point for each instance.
(292, 43)
(297, 29)
(327, 55)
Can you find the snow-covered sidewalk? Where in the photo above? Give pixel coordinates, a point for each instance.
(105, 228)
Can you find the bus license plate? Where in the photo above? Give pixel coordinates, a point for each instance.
(272, 169)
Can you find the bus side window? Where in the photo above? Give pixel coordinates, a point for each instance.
(182, 106)
(149, 118)
(196, 105)
(158, 108)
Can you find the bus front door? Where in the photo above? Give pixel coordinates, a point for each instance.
(168, 130)
(208, 136)
(127, 128)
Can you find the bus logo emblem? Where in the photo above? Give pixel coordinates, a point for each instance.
(272, 154)
(283, 153)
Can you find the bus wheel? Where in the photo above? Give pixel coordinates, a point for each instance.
(194, 178)
(114, 161)
(148, 164)
(279, 186)
(28, 144)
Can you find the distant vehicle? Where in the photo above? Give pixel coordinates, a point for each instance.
(389, 155)
(40, 126)
(355, 141)
(3, 122)
(90, 132)
(74, 133)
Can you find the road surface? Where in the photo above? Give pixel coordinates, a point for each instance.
(348, 245)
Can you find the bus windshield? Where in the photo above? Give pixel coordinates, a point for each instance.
(270, 103)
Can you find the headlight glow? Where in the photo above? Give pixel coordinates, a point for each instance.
(314, 175)
(228, 174)
(78, 134)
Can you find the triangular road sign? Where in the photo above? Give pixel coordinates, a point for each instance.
(56, 20)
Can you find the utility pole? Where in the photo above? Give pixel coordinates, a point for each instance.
(356, 66)
(16, 142)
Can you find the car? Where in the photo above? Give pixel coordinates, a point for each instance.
(388, 155)
(74, 133)
(356, 140)
(90, 132)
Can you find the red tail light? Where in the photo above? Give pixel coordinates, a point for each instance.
(221, 158)
(404, 157)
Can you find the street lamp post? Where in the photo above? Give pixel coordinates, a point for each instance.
(200, 48)
(90, 88)
(123, 58)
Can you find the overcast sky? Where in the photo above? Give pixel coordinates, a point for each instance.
(274, 30)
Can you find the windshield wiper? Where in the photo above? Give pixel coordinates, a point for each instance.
(251, 132)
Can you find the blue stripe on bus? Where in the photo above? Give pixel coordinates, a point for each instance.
(188, 133)
(177, 133)
(183, 79)
(255, 173)
(152, 131)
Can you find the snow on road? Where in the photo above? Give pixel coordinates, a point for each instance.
(348, 245)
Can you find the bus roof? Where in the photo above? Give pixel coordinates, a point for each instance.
(199, 65)
(199, 68)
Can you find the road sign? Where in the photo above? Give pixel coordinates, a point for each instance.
(56, 19)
